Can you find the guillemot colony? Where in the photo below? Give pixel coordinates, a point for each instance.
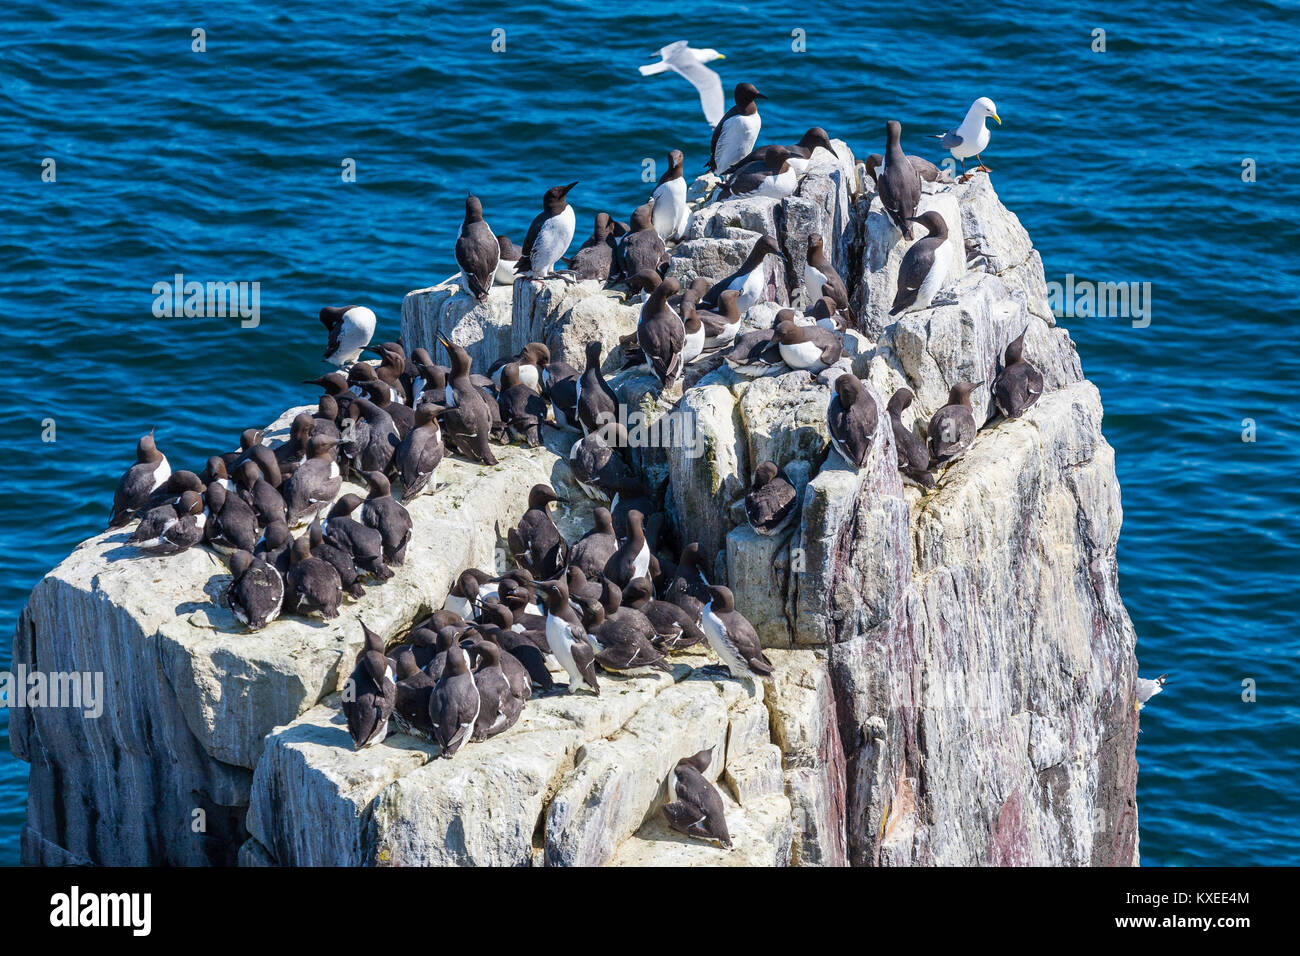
(356, 440)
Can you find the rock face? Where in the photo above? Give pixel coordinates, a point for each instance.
(954, 674)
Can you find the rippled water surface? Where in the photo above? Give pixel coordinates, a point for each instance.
(1124, 166)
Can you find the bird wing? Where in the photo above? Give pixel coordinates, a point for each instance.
(707, 83)
(950, 139)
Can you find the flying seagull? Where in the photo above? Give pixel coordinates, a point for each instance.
(688, 63)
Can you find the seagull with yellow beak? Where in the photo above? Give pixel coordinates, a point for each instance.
(972, 136)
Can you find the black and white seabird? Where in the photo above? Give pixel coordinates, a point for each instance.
(737, 132)
(418, 456)
(273, 546)
(471, 585)
(375, 437)
(370, 692)
(750, 280)
(671, 214)
(381, 396)
(179, 482)
(928, 171)
(693, 343)
(592, 551)
(477, 251)
(336, 552)
(536, 543)
(773, 176)
(350, 328)
(292, 452)
(171, 528)
(267, 503)
(732, 637)
(560, 383)
(913, 456)
(232, 524)
(414, 688)
(675, 628)
(971, 136)
(388, 516)
(1019, 384)
(567, 638)
(256, 591)
(641, 249)
(632, 559)
(952, 428)
(595, 257)
(314, 483)
(661, 334)
(364, 543)
(470, 427)
(770, 504)
(819, 273)
(808, 347)
(139, 481)
(693, 805)
(824, 312)
(720, 327)
(898, 186)
(689, 588)
(925, 265)
(595, 401)
(620, 643)
(522, 409)
(754, 353)
(597, 464)
(392, 369)
(312, 587)
(454, 704)
(799, 154)
(549, 234)
(499, 705)
(852, 418)
(505, 274)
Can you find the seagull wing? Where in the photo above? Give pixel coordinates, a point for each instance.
(950, 139)
(682, 62)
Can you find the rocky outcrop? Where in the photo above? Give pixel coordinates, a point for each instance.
(954, 675)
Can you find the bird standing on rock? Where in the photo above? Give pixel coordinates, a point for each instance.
(549, 234)
(171, 528)
(1019, 385)
(567, 638)
(770, 504)
(750, 280)
(952, 428)
(899, 186)
(913, 457)
(971, 137)
(455, 703)
(370, 692)
(256, 591)
(139, 481)
(661, 334)
(737, 131)
(595, 257)
(925, 265)
(536, 543)
(693, 805)
(477, 251)
(852, 418)
(732, 637)
(671, 214)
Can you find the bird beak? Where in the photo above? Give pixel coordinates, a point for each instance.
(760, 96)
(568, 187)
(998, 118)
(722, 56)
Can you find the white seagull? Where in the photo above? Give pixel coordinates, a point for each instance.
(688, 63)
(972, 136)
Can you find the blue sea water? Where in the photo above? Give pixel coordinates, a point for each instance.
(1125, 165)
